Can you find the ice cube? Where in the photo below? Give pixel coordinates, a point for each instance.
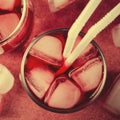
(48, 48)
(89, 75)
(8, 23)
(63, 94)
(6, 80)
(9, 4)
(89, 53)
(112, 102)
(116, 35)
(39, 79)
(56, 5)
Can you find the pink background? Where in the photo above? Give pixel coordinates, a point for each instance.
(17, 105)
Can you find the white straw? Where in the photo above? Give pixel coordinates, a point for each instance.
(78, 25)
(93, 31)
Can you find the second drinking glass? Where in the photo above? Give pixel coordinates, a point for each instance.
(16, 19)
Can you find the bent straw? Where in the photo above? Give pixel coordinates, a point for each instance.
(78, 25)
(93, 31)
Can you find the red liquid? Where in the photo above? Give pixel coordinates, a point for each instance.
(8, 44)
(57, 87)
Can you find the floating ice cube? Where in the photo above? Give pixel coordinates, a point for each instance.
(63, 94)
(89, 75)
(6, 79)
(9, 4)
(49, 49)
(116, 35)
(39, 79)
(56, 5)
(112, 102)
(89, 53)
(8, 23)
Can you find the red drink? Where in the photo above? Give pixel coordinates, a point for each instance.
(15, 23)
(70, 91)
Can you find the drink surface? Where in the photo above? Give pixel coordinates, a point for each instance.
(73, 88)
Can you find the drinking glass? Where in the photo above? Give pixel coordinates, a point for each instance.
(66, 92)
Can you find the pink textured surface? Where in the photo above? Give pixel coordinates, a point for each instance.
(17, 105)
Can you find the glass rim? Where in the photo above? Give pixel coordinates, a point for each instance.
(34, 97)
(22, 19)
